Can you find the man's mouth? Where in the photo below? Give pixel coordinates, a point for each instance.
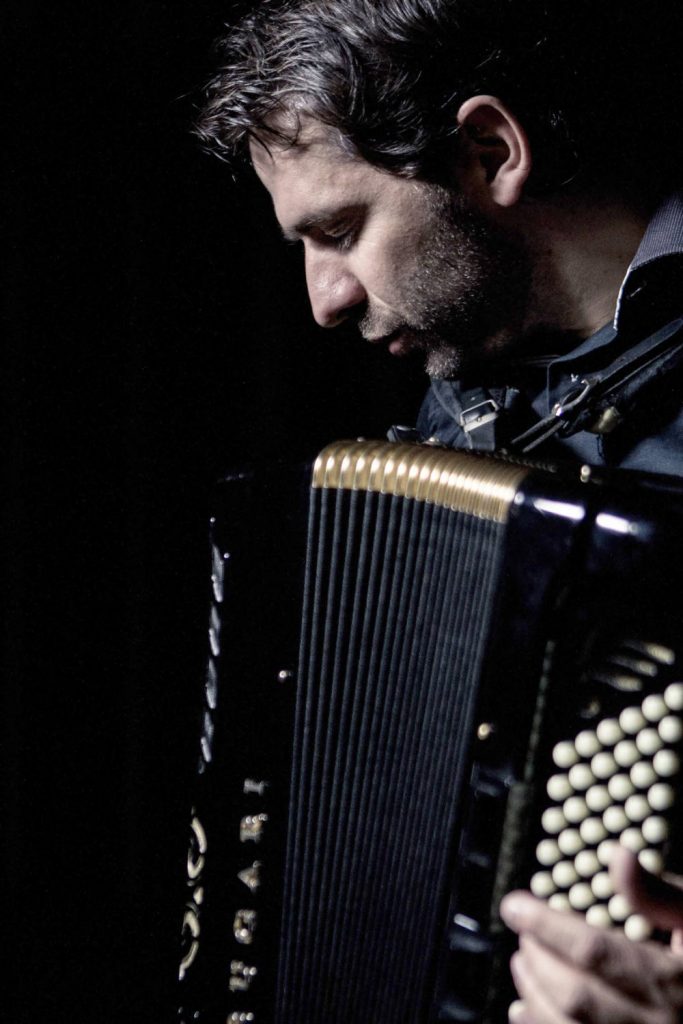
(398, 342)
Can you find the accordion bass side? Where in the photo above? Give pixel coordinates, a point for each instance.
(455, 677)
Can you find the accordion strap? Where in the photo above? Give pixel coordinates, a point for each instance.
(600, 401)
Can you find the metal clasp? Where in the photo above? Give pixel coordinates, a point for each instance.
(471, 419)
(572, 399)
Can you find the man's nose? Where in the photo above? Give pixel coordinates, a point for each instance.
(333, 290)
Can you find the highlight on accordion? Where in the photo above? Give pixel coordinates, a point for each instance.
(433, 677)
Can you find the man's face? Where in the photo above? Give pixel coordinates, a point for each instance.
(414, 265)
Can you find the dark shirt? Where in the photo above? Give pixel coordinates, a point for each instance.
(651, 438)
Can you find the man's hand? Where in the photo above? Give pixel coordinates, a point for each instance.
(567, 971)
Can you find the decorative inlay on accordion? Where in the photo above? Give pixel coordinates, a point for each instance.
(454, 677)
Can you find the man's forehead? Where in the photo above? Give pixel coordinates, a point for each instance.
(314, 145)
(309, 180)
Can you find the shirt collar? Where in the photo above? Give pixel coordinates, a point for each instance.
(663, 238)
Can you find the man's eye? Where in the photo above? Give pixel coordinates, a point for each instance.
(341, 237)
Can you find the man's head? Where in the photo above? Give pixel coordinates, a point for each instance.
(409, 144)
(417, 266)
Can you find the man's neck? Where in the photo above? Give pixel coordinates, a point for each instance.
(583, 252)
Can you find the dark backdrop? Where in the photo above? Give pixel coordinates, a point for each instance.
(156, 332)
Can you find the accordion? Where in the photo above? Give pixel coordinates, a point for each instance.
(432, 677)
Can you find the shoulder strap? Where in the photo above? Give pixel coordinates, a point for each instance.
(600, 401)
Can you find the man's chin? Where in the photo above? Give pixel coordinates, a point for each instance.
(440, 359)
(444, 361)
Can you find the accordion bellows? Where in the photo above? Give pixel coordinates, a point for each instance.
(389, 674)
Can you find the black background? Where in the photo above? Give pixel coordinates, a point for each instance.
(156, 331)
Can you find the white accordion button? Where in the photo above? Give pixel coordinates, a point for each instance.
(564, 874)
(633, 840)
(587, 864)
(637, 808)
(643, 774)
(581, 896)
(614, 819)
(603, 765)
(670, 729)
(559, 901)
(620, 787)
(542, 885)
(665, 763)
(553, 820)
(673, 695)
(626, 753)
(654, 707)
(548, 852)
(602, 886)
(598, 799)
(598, 916)
(570, 842)
(587, 743)
(652, 861)
(580, 777)
(637, 928)
(575, 809)
(558, 788)
(655, 830)
(592, 831)
(619, 907)
(632, 720)
(649, 741)
(661, 796)
(564, 754)
(609, 731)
(605, 851)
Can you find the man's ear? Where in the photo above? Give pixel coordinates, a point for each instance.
(495, 155)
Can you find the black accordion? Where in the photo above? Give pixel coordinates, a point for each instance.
(432, 677)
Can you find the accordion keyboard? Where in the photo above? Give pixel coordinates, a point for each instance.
(613, 782)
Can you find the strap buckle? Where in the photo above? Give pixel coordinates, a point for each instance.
(475, 415)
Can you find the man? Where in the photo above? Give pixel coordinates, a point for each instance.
(493, 185)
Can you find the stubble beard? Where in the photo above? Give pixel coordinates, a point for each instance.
(464, 300)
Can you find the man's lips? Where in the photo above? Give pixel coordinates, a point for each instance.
(396, 341)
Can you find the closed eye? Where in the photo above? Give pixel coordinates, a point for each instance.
(340, 235)
(338, 231)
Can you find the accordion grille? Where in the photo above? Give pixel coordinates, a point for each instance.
(398, 597)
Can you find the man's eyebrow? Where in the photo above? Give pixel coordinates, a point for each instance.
(301, 228)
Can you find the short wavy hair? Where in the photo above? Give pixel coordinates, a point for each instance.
(591, 82)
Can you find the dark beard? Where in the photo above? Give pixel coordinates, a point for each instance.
(464, 301)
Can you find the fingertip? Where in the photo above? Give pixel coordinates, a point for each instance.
(657, 898)
(516, 908)
(624, 869)
(517, 1012)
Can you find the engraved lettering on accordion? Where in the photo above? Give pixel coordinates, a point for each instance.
(612, 785)
(251, 876)
(251, 828)
(189, 939)
(255, 786)
(244, 926)
(196, 849)
(241, 976)
(191, 927)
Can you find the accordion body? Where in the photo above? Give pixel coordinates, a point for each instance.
(426, 669)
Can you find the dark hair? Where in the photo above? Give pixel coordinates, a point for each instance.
(594, 83)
